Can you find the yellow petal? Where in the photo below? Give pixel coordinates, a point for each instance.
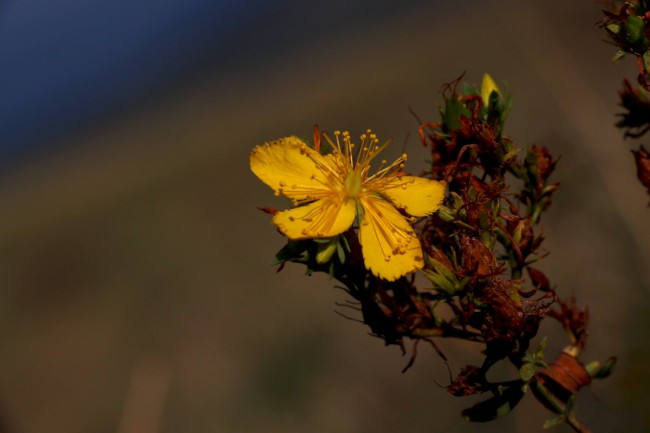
(487, 87)
(418, 196)
(291, 168)
(321, 219)
(389, 245)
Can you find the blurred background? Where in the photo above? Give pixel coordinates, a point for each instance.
(136, 286)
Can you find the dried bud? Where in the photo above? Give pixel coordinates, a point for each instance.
(637, 118)
(469, 381)
(473, 212)
(642, 159)
(544, 162)
(478, 260)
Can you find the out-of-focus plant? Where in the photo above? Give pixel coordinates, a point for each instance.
(475, 247)
(626, 23)
(628, 26)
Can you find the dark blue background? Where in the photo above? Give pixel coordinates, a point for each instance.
(67, 63)
(64, 63)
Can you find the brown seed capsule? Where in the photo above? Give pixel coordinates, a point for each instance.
(564, 376)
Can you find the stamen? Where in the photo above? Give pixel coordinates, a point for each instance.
(395, 236)
(323, 167)
(368, 149)
(321, 218)
(395, 165)
(331, 143)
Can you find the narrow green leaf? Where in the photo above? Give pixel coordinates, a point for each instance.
(291, 251)
(454, 109)
(618, 56)
(340, 252)
(554, 422)
(496, 406)
(598, 370)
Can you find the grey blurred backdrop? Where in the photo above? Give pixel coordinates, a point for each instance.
(136, 290)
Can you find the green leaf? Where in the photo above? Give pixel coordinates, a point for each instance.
(293, 250)
(533, 362)
(340, 252)
(497, 406)
(469, 89)
(439, 281)
(527, 371)
(554, 422)
(539, 352)
(634, 28)
(452, 112)
(634, 34)
(345, 243)
(618, 56)
(598, 370)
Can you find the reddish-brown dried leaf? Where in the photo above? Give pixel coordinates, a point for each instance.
(539, 279)
(268, 210)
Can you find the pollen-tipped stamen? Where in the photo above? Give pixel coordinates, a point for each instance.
(398, 164)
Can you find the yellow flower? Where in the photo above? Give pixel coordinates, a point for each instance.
(487, 87)
(330, 191)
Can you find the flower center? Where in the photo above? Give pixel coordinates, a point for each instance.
(354, 163)
(353, 183)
